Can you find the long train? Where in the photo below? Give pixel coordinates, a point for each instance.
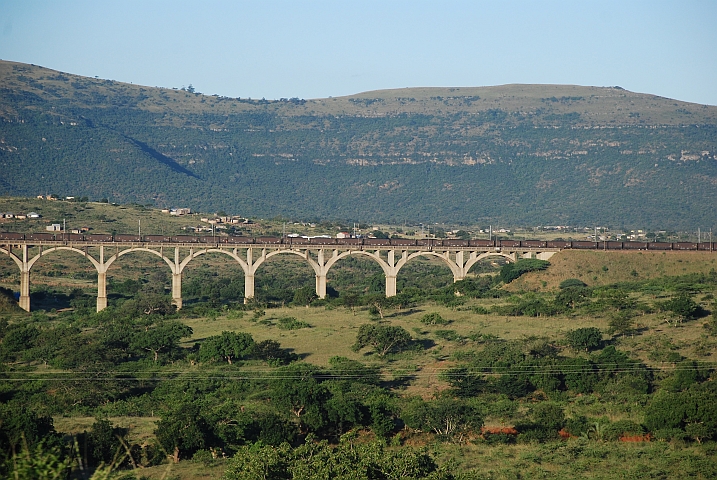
(379, 242)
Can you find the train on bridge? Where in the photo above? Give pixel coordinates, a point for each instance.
(348, 242)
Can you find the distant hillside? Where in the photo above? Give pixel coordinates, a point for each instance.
(513, 154)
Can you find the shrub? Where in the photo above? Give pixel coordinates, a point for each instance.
(291, 323)
(449, 335)
(683, 307)
(584, 338)
(572, 283)
(434, 319)
(511, 271)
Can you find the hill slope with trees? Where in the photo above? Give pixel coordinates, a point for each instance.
(516, 154)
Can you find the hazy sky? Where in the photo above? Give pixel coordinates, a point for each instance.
(311, 49)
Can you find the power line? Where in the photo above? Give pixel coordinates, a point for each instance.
(446, 372)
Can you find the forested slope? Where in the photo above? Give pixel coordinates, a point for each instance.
(520, 154)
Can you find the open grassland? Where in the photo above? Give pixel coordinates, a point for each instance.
(597, 268)
(332, 332)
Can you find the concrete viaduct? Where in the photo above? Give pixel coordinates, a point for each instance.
(321, 258)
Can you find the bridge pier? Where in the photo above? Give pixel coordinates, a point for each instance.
(24, 301)
(390, 285)
(177, 290)
(321, 286)
(545, 255)
(101, 291)
(248, 287)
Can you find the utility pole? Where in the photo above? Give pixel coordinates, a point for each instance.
(139, 228)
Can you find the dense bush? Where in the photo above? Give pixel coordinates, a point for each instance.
(511, 271)
(382, 338)
(586, 339)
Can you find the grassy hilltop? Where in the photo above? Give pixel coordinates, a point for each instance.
(515, 154)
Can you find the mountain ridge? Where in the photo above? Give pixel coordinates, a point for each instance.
(520, 154)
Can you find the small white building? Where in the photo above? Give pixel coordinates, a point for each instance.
(343, 235)
(180, 211)
(55, 227)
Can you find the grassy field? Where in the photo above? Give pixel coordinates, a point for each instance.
(603, 268)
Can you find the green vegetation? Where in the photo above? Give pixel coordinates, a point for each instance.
(578, 381)
(432, 155)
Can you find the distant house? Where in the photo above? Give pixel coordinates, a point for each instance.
(180, 211)
(55, 227)
(343, 235)
(33, 215)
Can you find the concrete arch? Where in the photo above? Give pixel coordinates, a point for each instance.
(95, 263)
(116, 256)
(454, 268)
(232, 254)
(474, 260)
(13, 256)
(304, 255)
(384, 266)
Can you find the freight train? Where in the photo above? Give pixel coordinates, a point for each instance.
(378, 242)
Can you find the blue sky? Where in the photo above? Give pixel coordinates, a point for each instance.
(312, 49)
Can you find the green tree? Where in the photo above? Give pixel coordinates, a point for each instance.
(584, 338)
(683, 307)
(22, 427)
(378, 303)
(447, 417)
(162, 337)
(382, 338)
(183, 430)
(228, 346)
(350, 300)
(297, 390)
(271, 352)
(549, 416)
(304, 296)
(434, 319)
(511, 271)
(621, 323)
(103, 442)
(572, 297)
